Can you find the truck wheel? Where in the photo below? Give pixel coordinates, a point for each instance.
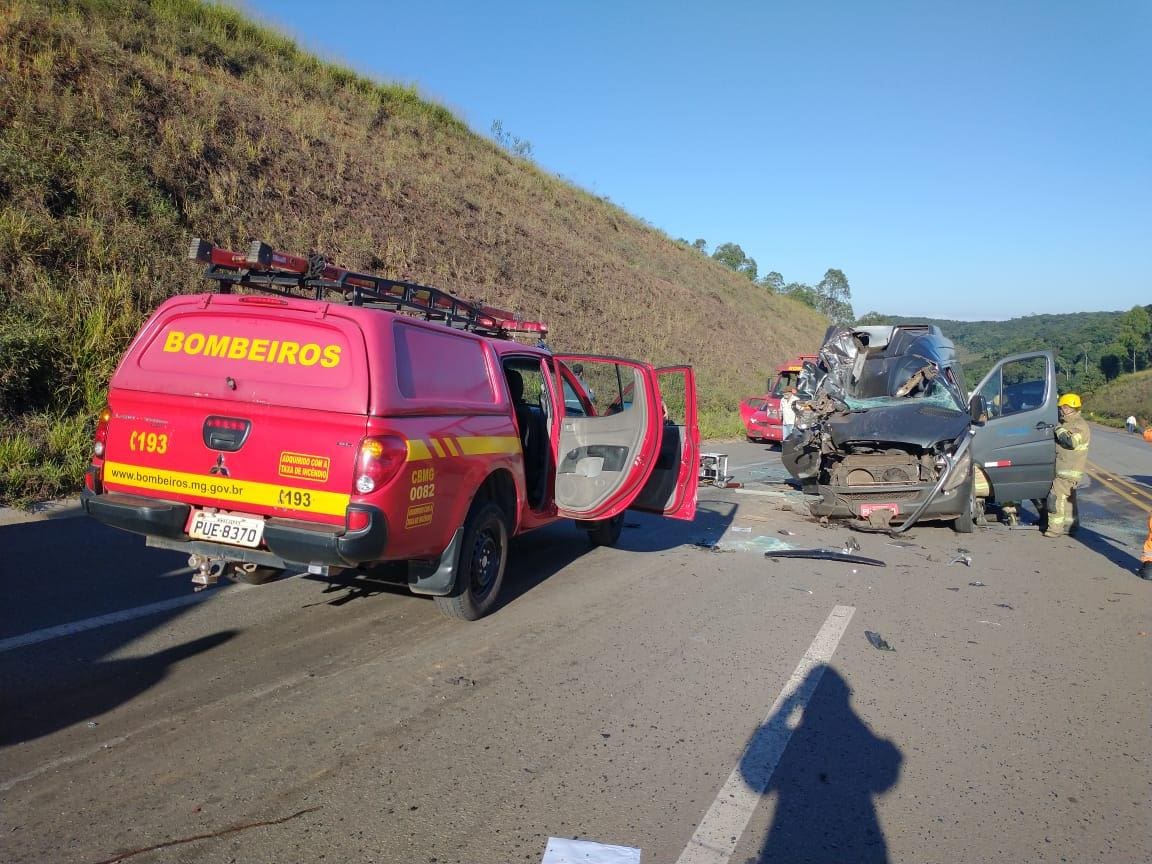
(605, 532)
(483, 553)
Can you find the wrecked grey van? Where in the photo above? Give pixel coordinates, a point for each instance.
(888, 436)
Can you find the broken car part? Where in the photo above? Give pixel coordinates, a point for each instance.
(877, 641)
(825, 555)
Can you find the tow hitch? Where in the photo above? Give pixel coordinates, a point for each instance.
(207, 569)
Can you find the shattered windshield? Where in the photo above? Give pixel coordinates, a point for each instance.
(783, 381)
(940, 397)
(863, 370)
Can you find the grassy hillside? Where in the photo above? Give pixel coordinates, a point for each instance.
(1128, 394)
(127, 126)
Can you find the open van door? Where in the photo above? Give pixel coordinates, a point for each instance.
(607, 440)
(672, 488)
(1016, 446)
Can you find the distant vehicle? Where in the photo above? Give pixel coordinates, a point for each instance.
(298, 419)
(887, 434)
(761, 414)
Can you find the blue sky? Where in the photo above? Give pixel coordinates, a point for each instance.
(968, 159)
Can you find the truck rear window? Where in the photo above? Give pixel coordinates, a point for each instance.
(253, 356)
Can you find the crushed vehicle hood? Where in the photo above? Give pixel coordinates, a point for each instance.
(918, 424)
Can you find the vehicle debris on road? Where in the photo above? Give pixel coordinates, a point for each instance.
(877, 641)
(825, 555)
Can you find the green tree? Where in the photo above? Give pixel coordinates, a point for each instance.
(1112, 360)
(1135, 327)
(834, 296)
(733, 257)
(1091, 380)
(700, 245)
(806, 294)
(872, 318)
(774, 282)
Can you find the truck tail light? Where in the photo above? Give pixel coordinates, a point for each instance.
(100, 437)
(380, 459)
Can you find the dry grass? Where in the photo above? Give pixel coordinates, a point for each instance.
(126, 127)
(1127, 395)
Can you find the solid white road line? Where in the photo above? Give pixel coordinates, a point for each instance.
(722, 826)
(48, 633)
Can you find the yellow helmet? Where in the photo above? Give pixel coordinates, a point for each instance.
(1069, 400)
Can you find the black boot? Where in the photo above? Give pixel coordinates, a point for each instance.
(1146, 571)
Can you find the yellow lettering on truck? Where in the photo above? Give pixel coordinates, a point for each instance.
(286, 352)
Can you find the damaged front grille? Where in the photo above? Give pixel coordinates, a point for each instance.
(865, 497)
(897, 469)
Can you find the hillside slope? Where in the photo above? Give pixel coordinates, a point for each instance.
(126, 127)
(1128, 394)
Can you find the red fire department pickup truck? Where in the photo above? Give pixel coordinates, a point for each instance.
(761, 414)
(305, 417)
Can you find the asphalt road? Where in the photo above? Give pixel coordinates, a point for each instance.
(681, 694)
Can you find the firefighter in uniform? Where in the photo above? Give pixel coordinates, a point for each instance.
(1072, 436)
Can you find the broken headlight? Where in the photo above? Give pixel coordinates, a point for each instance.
(960, 471)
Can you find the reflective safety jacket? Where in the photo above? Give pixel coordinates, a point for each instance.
(1073, 435)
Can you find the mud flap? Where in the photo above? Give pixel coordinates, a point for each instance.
(437, 578)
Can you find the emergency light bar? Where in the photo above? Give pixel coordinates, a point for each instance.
(263, 268)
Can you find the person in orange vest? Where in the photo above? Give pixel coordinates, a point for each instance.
(1146, 567)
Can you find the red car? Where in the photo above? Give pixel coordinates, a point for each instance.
(761, 414)
(286, 431)
(755, 413)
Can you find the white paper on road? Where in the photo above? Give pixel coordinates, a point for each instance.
(560, 851)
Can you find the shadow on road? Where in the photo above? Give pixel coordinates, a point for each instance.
(540, 555)
(825, 783)
(1107, 547)
(537, 556)
(34, 706)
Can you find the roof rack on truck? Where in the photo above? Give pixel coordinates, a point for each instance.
(263, 268)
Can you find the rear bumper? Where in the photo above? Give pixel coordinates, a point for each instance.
(288, 540)
(765, 431)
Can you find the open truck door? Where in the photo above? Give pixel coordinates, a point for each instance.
(673, 486)
(609, 438)
(1016, 447)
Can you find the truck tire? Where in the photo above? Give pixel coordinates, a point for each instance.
(483, 554)
(605, 532)
(967, 520)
